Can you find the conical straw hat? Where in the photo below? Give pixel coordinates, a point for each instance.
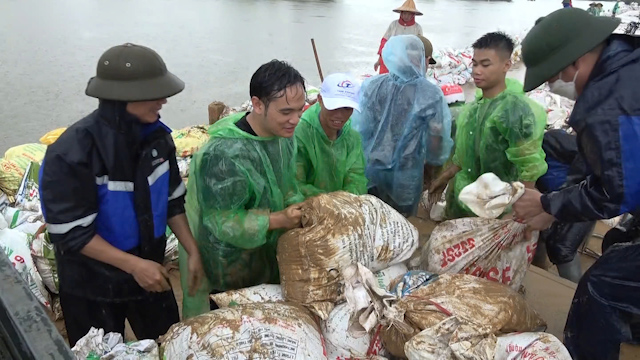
(409, 6)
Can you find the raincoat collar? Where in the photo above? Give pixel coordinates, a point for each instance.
(407, 23)
(312, 116)
(513, 87)
(226, 128)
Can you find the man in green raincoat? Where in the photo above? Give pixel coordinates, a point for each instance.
(330, 156)
(501, 132)
(242, 192)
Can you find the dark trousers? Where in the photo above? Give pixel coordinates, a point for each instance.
(606, 306)
(149, 318)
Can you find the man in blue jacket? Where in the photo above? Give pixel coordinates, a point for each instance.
(602, 71)
(109, 186)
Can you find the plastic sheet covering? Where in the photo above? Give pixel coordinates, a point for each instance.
(405, 122)
(235, 181)
(502, 135)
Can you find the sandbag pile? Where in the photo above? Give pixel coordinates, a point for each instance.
(558, 107)
(97, 345)
(338, 342)
(340, 229)
(454, 65)
(248, 331)
(450, 316)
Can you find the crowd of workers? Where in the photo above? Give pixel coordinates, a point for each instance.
(110, 184)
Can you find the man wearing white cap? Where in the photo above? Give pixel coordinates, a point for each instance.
(330, 156)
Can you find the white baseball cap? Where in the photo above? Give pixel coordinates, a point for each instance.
(340, 90)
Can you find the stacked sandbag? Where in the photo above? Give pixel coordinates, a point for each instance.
(431, 344)
(340, 344)
(495, 249)
(98, 345)
(338, 230)
(14, 165)
(248, 331)
(189, 140)
(465, 313)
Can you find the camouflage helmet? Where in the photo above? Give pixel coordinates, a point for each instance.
(132, 73)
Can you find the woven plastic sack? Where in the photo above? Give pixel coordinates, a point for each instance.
(251, 331)
(44, 258)
(189, 140)
(15, 245)
(14, 164)
(339, 230)
(342, 345)
(97, 345)
(485, 247)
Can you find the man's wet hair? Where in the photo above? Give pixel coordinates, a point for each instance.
(271, 80)
(498, 41)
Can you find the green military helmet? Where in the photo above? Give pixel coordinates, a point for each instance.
(132, 73)
(559, 39)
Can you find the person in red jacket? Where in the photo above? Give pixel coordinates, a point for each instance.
(405, 25)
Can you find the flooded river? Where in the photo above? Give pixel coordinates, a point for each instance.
(49, 49)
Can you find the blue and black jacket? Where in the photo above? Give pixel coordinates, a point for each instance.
(606, 118)
(108, 174)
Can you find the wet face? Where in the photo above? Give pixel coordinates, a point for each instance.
(334, 119)
(490, 67)
(407, 16)
(282, 115)
(146, 111)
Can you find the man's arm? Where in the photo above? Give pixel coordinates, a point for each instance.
(439, 141)
(613, 187)
(523, 127)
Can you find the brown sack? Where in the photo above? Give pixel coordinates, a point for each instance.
(489, 307)
(340, 229)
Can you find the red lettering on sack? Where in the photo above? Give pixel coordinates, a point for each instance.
(493, 272)
(477, 272)
(456, 251)
(506, 278)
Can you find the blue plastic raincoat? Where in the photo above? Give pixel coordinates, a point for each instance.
(404, 122)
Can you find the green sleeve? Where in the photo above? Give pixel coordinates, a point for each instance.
(303, 166)
(523, 127)
(355, 181)
(224, 193)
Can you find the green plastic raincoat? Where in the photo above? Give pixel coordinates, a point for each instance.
(325, 165)
(236, 180)
(502, 135)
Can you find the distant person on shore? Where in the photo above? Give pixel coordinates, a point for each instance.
(566, 4)
(592, 9)
(405, 123)
(242, 190)
(616, 9)
(330, 156)
(109, 186)
(501, 132)
(585, 65)
(405, 25)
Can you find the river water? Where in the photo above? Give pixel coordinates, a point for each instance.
(49, 49)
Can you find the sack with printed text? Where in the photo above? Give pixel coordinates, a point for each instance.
(15, 163)
(258, 331)
(340, 229)
(15, 245)
(486, 247)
